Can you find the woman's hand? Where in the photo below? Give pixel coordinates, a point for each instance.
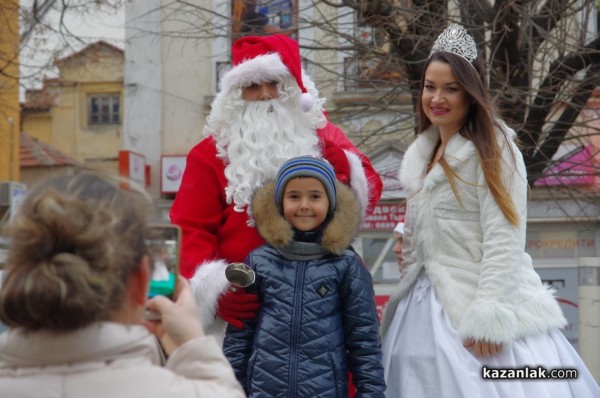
(179, 321)
(483, 348)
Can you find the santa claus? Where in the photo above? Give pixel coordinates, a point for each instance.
(267, 112)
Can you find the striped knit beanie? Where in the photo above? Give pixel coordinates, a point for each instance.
(306, 166)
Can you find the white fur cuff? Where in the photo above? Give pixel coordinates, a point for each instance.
(490, 321)
(358, 181)
(208, 283)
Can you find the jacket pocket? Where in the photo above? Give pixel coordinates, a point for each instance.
(462, 234)
(456, 214)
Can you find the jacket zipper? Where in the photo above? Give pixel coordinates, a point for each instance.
(295, 328)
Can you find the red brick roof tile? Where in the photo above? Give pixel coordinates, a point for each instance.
(34, 153)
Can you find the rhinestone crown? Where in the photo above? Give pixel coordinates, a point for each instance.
(455, 39)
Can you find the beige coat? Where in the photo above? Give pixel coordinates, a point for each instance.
(111, 360)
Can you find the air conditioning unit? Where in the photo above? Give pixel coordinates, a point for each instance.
(8, 190)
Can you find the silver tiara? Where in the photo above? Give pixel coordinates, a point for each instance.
(456, 40)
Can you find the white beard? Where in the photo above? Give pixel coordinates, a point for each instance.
(255, 138)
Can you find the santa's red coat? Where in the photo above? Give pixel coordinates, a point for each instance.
(212, 229)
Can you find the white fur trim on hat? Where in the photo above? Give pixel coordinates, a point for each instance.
(306, 102)
(259, 69)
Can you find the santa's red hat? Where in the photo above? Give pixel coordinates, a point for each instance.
(257, 59)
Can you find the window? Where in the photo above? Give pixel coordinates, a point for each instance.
(372, 66)
(597, 17)
(104, 109)
(264, 17)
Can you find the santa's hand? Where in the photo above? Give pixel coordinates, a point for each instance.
(338, 159)
(235, 306)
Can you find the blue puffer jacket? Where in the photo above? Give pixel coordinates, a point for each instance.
(318, 317)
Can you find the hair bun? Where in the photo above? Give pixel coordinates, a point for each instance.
(69, 259)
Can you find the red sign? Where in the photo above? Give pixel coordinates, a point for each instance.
(385, 216)
(381, 301)
(132, 166)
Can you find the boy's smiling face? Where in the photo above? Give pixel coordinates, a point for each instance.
(305, 203)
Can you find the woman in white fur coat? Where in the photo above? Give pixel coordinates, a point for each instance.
(469, 301)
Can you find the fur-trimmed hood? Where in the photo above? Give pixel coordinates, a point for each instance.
(277, 231)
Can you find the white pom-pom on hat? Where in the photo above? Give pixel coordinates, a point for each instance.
(306, 102)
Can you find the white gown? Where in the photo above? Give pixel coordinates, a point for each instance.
(423, 357)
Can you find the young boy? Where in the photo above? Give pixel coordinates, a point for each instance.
(318, 318)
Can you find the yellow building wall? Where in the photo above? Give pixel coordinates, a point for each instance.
(39, 125)
(9, 91)
(64, 120)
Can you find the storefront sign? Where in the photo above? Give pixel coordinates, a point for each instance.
(561, 244)
(133, 167)
(171, 171)
(385, 216)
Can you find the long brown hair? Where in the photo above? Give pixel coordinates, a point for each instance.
(481, 128)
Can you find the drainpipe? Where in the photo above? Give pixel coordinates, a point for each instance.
(11, 148)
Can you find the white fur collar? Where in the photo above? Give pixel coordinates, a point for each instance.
(413, 174)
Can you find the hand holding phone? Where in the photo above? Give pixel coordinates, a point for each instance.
(179, 322)
(163, 243)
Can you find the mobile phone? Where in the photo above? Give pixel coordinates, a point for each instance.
(163, 242)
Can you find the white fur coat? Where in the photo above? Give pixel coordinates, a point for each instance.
(473, 256)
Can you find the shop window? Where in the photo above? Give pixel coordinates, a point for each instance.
(372, 65)
(104, 109)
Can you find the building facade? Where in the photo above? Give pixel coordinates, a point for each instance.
(80, 113)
